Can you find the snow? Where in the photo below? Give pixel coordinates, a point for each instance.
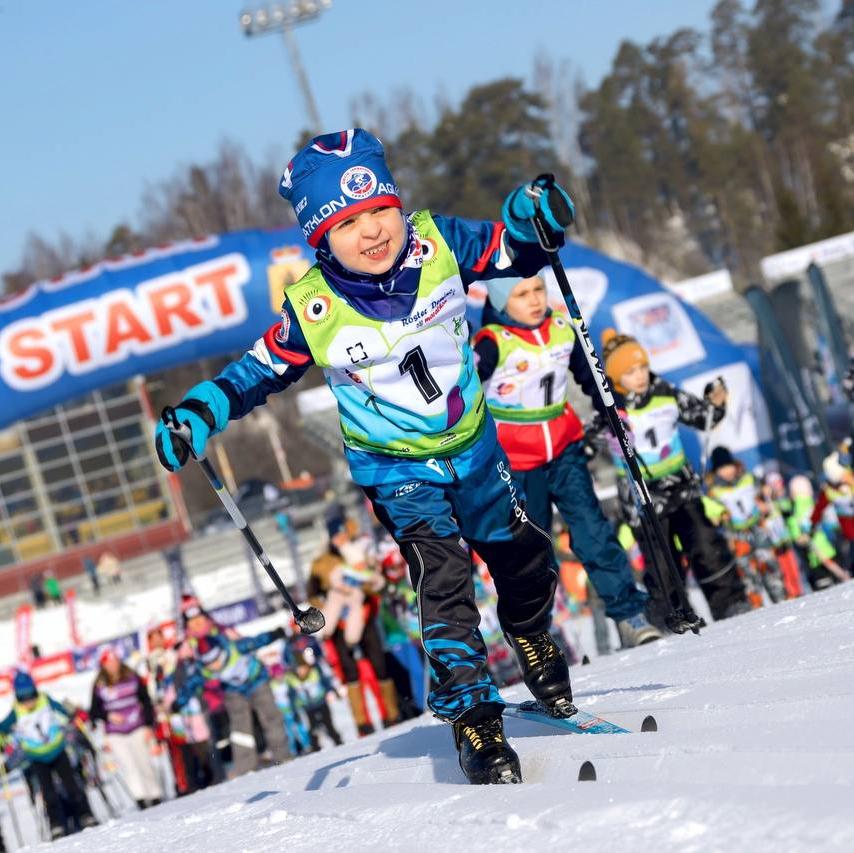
(755, 752)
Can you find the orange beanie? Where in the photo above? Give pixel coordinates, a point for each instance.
(621, 353)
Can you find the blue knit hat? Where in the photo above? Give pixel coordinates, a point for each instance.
(24, 686)
(499, 290)
(335, 176)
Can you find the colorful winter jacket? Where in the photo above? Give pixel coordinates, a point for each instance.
(653, 418)
(241, 672)
(737, 502)
(124, 706)
(400, 366)
(525, 374)
(40, 730)
(841, 499)
(311, 691)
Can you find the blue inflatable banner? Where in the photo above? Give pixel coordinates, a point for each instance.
(217, 295)
(139, 315)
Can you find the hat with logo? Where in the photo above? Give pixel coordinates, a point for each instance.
(621, 353)
(335, 176)
(24, 686)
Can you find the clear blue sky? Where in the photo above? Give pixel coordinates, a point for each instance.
(99, 98)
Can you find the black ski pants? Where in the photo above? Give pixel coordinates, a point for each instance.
(47, 775)
(707, 555)
(428, 519)
(320, 717)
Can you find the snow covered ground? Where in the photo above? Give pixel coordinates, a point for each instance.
(755, 752)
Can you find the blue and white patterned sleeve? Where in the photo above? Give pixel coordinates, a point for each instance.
(279, 358)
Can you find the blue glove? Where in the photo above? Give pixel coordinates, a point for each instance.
(518, 209)
(205, 411)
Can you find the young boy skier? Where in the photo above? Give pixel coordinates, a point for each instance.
(653, 409)
(245, 682)
(736, 505)
(383, 313)
(38, 723)
(525, 353)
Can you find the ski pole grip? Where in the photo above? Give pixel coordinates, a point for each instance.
(182, 431)
(557, 206)
(557, 203)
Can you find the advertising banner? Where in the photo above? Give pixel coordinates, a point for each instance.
(87, 657)
(136, 315)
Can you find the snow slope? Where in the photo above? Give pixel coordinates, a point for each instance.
(755, 752)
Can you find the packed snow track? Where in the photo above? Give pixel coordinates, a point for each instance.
(755, 752)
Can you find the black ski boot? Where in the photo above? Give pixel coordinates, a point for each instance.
(545, 671)
(485, 756)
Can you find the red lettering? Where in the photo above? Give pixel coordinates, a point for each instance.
(170, 302)
(73, 325)
(123, 325)
(218, 280)
(20, 349)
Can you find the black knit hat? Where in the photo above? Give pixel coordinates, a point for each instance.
(722, 456)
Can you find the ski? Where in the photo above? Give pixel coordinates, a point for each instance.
(581, 722)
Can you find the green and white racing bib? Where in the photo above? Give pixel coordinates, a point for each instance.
(404, 387)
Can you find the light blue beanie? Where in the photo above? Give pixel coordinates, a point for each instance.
(499, 290)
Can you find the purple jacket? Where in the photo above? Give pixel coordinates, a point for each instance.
(124, 706)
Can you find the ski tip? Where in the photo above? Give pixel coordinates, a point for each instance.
(587, 773)
(649, 724)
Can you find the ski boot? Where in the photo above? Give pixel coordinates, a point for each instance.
(485, 756)
(545, 672)
(637, 630)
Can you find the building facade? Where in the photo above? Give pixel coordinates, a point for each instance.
(80, 476)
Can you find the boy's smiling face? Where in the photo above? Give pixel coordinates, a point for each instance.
(368, 241)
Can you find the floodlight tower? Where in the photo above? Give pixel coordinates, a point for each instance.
(283, 17)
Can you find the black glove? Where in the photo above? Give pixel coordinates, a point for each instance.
(711, 387)
(279, 633)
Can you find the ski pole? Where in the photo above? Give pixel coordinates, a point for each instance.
(7, 795)
(309, 620)
(704, 456)
(110, 766)
(710, 413)
(682, 616)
